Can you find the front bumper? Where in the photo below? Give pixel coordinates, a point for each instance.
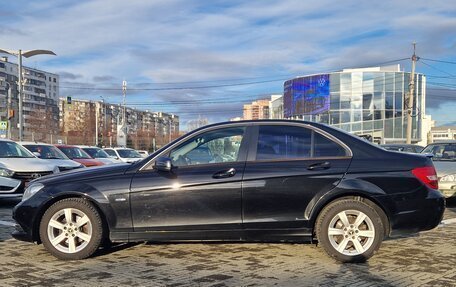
(21, 235)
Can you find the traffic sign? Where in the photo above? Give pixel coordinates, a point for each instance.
(3, 125)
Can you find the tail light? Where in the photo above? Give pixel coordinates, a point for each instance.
(427, 175)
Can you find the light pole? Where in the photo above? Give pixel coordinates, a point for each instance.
(19, 53)
(8, 107)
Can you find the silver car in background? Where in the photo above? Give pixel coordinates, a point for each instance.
(51, 154)
(99, 154)
(18, 167)
(444, 157)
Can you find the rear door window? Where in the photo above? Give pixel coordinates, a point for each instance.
(292, 142)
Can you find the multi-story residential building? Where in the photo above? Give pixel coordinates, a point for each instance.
(257, 110)
(82, 119)
(40, 101)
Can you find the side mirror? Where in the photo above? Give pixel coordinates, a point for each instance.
(37, 154)
(163, 164)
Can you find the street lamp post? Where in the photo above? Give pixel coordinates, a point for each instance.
(19, 54)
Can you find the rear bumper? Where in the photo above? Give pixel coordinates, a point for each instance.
(426, 215)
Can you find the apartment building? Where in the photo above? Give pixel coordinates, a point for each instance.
(81, 120)
(40, 101)
(257, 110)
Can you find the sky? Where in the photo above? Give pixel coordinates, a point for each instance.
(208, 58)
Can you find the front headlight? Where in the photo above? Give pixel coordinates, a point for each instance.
(6, 172)
(448, 178)
(31, 190)
(56, 170)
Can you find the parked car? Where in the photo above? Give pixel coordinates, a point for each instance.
(411, 148)
(264, 181)
(18, 167)
(99, 154)
(127, 155)
(52, 155)
(444, 157)
(143, 153)
(78, 155)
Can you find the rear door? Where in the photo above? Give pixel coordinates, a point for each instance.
(287, 167)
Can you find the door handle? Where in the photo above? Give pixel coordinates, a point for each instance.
(320, 165)
(224, 173)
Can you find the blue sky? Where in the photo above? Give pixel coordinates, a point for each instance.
(157, 45)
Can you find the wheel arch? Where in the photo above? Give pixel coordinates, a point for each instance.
(54, 199)
(354, 195)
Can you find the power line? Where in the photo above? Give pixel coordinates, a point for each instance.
(439, 61)
(435, 68)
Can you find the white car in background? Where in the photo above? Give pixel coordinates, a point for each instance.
(143, 153)
(99, 154)
(52, 155)
(444, 158)
(18, 167)
(127, 155)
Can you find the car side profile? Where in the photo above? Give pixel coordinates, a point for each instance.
(268, 181)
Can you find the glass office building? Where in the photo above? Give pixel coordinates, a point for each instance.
(368, 102)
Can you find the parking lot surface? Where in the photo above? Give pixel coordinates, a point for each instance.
(428, 259)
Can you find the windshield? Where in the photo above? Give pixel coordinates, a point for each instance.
(74, 153)
(96, 152)
(442, 152)
(13, 150)
(46, 151)
(111, 152)
(128, 153)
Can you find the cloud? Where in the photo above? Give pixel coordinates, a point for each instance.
(68, 76)
(151, 42)
(104, 78)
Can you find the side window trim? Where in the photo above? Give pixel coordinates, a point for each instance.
(243, 149)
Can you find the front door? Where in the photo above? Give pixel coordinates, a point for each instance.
(201, 192)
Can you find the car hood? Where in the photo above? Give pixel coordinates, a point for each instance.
(26, 164)
(108, 160)
(445, 167)
(86, 173)
(63, 162)
(88, 161)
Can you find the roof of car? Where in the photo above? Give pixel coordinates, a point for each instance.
(64, 145)
(404, 145)
(34, 143)
(443, 142)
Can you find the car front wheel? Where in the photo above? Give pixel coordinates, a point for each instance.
(71, 229)
(349, 230)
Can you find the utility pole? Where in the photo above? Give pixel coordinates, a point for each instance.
(410, 96)
(96, 123)
(124, 93)
(21, 98)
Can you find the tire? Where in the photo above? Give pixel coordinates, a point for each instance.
(71, 229)
(349, 230)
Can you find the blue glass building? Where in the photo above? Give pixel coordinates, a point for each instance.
(368, 102)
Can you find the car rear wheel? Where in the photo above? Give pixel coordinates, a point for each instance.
(71, 229)
(349, 230)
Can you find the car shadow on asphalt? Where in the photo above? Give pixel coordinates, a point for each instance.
(114, 247)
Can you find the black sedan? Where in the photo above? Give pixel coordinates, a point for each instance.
(250, 181)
